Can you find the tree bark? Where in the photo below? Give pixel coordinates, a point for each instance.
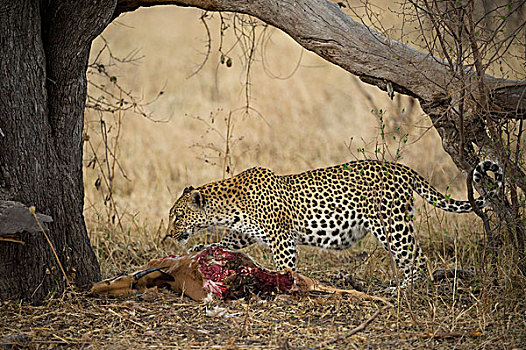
(45, 49)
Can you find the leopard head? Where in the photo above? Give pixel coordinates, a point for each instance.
(187, 215)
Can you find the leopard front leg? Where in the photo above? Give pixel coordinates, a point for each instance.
(284, 251)
(233, 240)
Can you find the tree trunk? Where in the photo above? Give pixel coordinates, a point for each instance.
(43, 82)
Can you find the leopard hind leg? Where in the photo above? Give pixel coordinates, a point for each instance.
(399, 240)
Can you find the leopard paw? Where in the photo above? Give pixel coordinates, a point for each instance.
(200, 247)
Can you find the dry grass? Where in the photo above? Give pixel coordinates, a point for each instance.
(298, 123)
(286, 323)
(468, 315)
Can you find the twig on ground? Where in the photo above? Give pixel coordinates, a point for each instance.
(355, 330)
(33, 211)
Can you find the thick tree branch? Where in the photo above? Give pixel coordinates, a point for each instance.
(323, 28)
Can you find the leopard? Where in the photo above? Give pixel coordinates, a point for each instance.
(331, 208)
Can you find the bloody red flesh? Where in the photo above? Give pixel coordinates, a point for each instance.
(229, 274)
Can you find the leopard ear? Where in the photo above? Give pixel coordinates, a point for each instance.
(197, 201)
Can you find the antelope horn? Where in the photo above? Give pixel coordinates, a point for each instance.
(138, 275)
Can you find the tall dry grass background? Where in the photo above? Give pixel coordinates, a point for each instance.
(304, 113)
